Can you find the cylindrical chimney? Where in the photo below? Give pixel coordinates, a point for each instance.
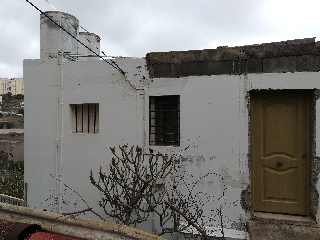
(92, 41)
(53, 39)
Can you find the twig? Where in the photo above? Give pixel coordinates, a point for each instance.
(78, 212)
(86, 210)
(174, 208)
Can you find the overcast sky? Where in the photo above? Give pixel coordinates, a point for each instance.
(133, 28)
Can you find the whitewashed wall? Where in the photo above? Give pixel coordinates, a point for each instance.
(50, 146)
(214, 130)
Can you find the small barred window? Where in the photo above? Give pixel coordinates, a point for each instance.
(164, 116)
(85, 118)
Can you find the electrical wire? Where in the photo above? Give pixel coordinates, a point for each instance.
(112, 64)
(51, 5)
(110, 59)
(83, 29)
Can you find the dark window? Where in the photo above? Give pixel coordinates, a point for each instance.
(164, 120)
(85, 118)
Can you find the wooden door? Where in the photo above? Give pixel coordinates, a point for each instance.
(280, 151)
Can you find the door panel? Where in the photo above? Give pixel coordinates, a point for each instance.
(280, 150)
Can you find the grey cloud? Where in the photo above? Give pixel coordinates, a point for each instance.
(134, 28)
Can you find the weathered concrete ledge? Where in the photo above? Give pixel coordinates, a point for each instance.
(70, 226)
(13, 130)
(301, 55)
(282, 229)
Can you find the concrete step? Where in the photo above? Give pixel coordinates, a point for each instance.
(264, 226)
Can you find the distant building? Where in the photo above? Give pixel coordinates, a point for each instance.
(13, 85)
(3, 85)
(16, 86)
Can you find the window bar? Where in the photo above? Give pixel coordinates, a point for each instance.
(151, 107)
(165, 123)
(76, 112)
(95, 117)
(82, 117)
(88, 118)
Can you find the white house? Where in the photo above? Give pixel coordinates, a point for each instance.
(243, 119)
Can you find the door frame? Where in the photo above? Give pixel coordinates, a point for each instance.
(311, 188)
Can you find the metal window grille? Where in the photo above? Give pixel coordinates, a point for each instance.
(85, 118)
(164, 120)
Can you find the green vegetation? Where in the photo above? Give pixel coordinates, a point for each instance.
(4, 106)
(19, 96)
(11, 176)
(6, 125)
(7, 96)
(21, 111)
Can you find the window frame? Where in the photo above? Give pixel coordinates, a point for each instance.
(164, 129)
(85, 118)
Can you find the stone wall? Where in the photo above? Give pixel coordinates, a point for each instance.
(300, 55)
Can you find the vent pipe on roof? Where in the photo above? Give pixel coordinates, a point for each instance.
(53, 39)
(92, 41)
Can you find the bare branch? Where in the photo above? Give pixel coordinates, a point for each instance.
(130, 186)
(199, 229)
(78, 212)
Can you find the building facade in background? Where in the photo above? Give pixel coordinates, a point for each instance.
(13, 85)
(3, 85)
(244, 121)
(16, 86)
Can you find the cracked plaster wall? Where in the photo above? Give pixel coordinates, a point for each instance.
(215, 133)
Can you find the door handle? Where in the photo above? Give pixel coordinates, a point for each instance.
(304, 155)
(279, 163)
